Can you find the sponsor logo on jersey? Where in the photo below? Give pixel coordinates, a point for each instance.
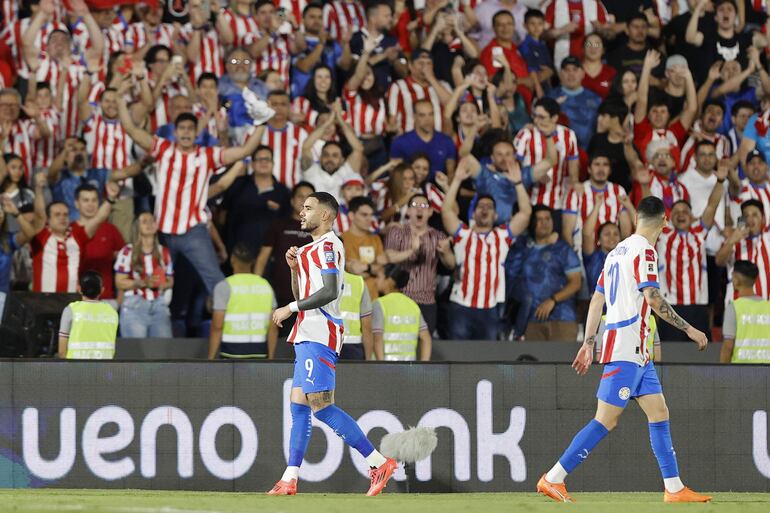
(649, 255)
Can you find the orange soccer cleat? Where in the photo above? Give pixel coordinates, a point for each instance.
(284, 488)
(685, 495)
(556, 491)
(380, 477)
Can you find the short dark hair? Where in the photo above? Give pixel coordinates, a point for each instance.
(747, 269)
(702, 143)
(416, 195)
(742, 104)
(86, 187)
(53, 204)
(361, 201)
(207, 76)
(598, 154)
(533, 13)
(44, 85)
(312, 5)
(185, 116)
(243, 254)
(683, 201)
(717, 3)
(486, 196)
(420, 102)
(262, 147)
(298, 185)
(91, 284)
(636, 16)
(398, 274)
(651, 208)
(605, 225)
(333, 143)
(260, 3)
(550, 105)
(327, 200)
(107, 90)
(419, 155)
(613, 108)
(714, 101)
(753, 203)
(658, 100)
(502, 12)
(378, 3)
(153, 52)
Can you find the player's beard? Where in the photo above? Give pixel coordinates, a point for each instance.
(310, 227)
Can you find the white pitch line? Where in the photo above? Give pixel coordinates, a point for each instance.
(122, 509)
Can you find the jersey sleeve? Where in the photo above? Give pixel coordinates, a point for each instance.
(366, 304)
(600, 283)
(330, 257)
(646, 269)
(221, 296)
(65, 324)
(378, 318)
(123, 262)
(729, 325)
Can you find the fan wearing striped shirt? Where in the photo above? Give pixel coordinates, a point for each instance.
(480, 251)
(682, 263)
(183, 170)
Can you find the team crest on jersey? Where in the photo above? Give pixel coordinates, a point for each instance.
(649, 255)
(624, 393)
(329, 252)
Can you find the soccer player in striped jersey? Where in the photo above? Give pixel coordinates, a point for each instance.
(629, 287)
(480, 251)
(684, 281)
(316, 281)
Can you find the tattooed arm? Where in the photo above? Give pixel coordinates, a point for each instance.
(666, 312)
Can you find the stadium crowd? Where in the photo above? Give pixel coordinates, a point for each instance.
(492, 149)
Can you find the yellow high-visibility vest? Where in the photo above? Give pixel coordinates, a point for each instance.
(247, 317)
(350, 307)
(401, 327)
(752, 333)
(93, 331)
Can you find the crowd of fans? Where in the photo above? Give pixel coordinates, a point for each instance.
(494, 149)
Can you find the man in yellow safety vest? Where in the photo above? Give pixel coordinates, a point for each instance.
(242, 307)
(356, 310)
(746, 326)
(88, 328)
(397, 323)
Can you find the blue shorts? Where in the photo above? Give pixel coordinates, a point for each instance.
(622, 381)
(315, 367)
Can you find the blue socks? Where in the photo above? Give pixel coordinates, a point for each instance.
(582, 445)
(301, 429)
(345, 427)
(660, 439)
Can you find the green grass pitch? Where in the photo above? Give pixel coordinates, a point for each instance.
(141, 501)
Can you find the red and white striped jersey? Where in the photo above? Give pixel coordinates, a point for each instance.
(287, 148)
(480, 258)
(684, 280)
(402, 96)
(160, 115)
(302, 104)
(44, 149)
(56, 262)
(435, 196)
(108, 143)
(340, 16)
(629, 268)
(582, 204)
(668, 190)
(183, 184)
(530, 146)
(322, 325)
(687, 156)
(140, 35)
(209, 56)
(755, 249)
(200, 110)
(750, 190)
(243, 27)
(366, 119)
(276, 56)
(12, 34)
(113, 42)
(123, 266)
(20, 142)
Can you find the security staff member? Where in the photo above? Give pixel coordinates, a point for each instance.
(746, 326)
(242, 307)
(88, 327)
(356, 308)
(397, 323)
